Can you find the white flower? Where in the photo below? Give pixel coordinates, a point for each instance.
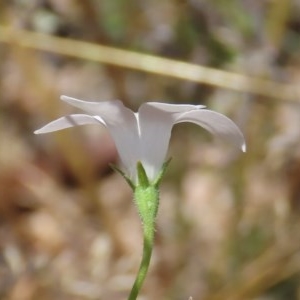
(144, 136)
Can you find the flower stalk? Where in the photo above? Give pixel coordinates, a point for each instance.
(146, 197)
(148, 232)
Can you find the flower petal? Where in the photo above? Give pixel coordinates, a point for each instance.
(155, 123)
(69, 121)
(92, 107)
(122, 125)
(172, 108)
(215, 123)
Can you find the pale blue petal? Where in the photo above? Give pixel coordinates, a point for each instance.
(172, 108)
(68, 121)
(122, 125)
(93, 107)
(215, 123)
(155, 124)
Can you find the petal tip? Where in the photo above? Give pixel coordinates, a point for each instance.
(39, 131)
(63, 97)
(244, 147)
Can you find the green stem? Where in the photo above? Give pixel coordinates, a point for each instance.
(147, 251)
(146, 196)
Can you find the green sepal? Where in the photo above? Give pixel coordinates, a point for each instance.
(129, 181)
(161, 173)
(142, 176)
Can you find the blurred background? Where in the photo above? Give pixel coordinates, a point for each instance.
(228, 223)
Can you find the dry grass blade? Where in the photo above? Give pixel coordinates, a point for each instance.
(148, 63)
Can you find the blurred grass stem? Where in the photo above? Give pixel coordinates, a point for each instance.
(148, 63)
